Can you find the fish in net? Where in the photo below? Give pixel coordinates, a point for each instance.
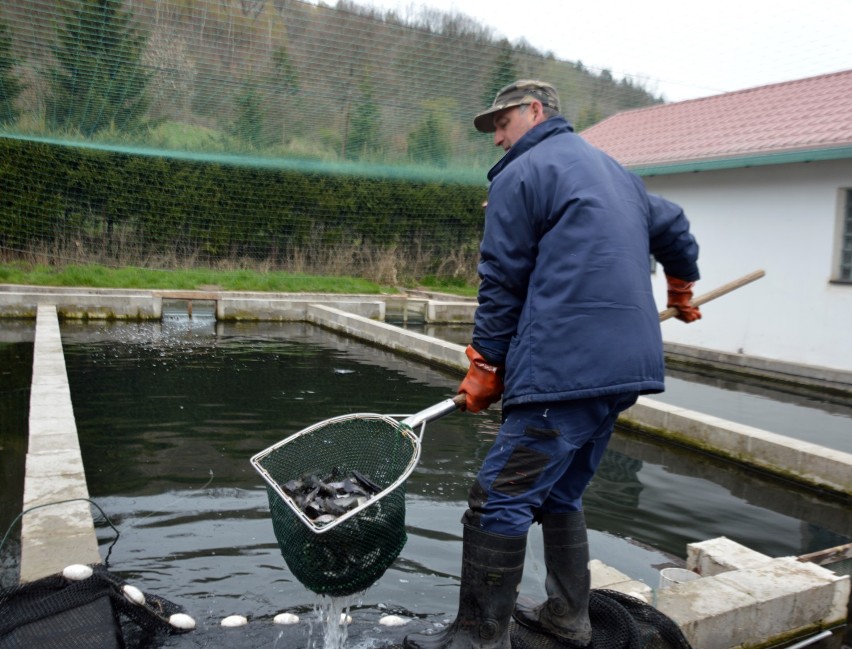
(340, 553)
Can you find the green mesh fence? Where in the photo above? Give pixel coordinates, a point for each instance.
(264, 132)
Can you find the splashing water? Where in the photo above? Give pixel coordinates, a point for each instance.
(333, 616)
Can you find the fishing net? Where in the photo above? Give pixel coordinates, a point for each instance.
(350, 553)
(95, 612)
(172, 133)
(619, 621)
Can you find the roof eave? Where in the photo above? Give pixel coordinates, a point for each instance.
(738, 162)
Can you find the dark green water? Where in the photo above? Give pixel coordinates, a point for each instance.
(16, 361)
(169, 415)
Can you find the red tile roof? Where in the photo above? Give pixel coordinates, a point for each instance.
(806, 115)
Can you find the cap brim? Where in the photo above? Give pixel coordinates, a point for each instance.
(484, 122)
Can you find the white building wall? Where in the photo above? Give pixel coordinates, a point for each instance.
(782, 219)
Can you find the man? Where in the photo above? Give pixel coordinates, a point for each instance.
(567, 322)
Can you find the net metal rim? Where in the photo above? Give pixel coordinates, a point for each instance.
(399, 427)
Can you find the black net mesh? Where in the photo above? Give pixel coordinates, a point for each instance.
(619, 621)
(352, 555)
(91, 613)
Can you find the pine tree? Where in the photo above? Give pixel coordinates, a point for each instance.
(588, 116)
(430, 141)
(99, 81)
(285, 75)
(10, 87)
(504, 72)
(285, 80)
(364, 124)
(248, 125)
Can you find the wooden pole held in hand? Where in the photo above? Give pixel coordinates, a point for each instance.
(717, 292)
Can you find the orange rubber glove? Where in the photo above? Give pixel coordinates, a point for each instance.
(483, 384)
(680, 296)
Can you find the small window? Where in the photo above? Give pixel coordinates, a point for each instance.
(845, 274)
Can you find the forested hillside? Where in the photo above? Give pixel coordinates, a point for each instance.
(273, 77)
(270, 134)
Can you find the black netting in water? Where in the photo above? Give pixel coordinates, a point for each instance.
(91, 613)
(352, 555)
(619, 621)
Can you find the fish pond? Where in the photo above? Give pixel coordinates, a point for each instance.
(170, 413)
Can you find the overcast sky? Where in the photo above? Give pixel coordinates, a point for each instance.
(681, 49)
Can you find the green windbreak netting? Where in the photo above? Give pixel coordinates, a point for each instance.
(279, 133)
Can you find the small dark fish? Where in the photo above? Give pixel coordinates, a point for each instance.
(331, 506)
(351, 488)
(371, 486)
(325, 519)
(311, 496)
(321, 487)
(313, 510)
(294, 486)
(323, 500)
(347, 502)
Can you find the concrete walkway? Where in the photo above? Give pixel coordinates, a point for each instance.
(56, 530)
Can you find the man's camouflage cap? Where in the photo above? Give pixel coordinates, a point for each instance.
(520, 92)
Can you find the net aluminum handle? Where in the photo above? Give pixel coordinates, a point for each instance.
(435, 412)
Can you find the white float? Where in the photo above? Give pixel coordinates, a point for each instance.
(182, 621)
(133, 594)
(286, 618)
(77, 572)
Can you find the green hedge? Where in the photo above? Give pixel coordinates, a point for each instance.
(62, 198)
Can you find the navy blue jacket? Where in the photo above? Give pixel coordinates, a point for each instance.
(565, 298)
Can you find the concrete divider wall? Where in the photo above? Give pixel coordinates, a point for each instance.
(83, 304)
(54, 533)
(825, 378)
(381, 334)
(290, 310)
(814, 465)
(806, 463)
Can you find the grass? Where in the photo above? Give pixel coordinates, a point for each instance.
(448, 285)
(96, 276)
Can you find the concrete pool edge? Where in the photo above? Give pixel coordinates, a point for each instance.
(57, 523)
(808, 464)
(20, 302)
(735, 608)
(784, 457)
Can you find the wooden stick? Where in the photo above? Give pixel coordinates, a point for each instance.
(830, 555)
(717, 292)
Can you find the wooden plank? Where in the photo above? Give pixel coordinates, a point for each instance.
(829, 555)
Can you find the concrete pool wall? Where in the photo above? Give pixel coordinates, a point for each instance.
(52, 535)
(18, 301)
(743, 599)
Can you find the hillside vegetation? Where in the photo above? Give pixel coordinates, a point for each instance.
(277, 77)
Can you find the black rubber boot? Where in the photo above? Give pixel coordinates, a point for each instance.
(565, 614)
(492, 566)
